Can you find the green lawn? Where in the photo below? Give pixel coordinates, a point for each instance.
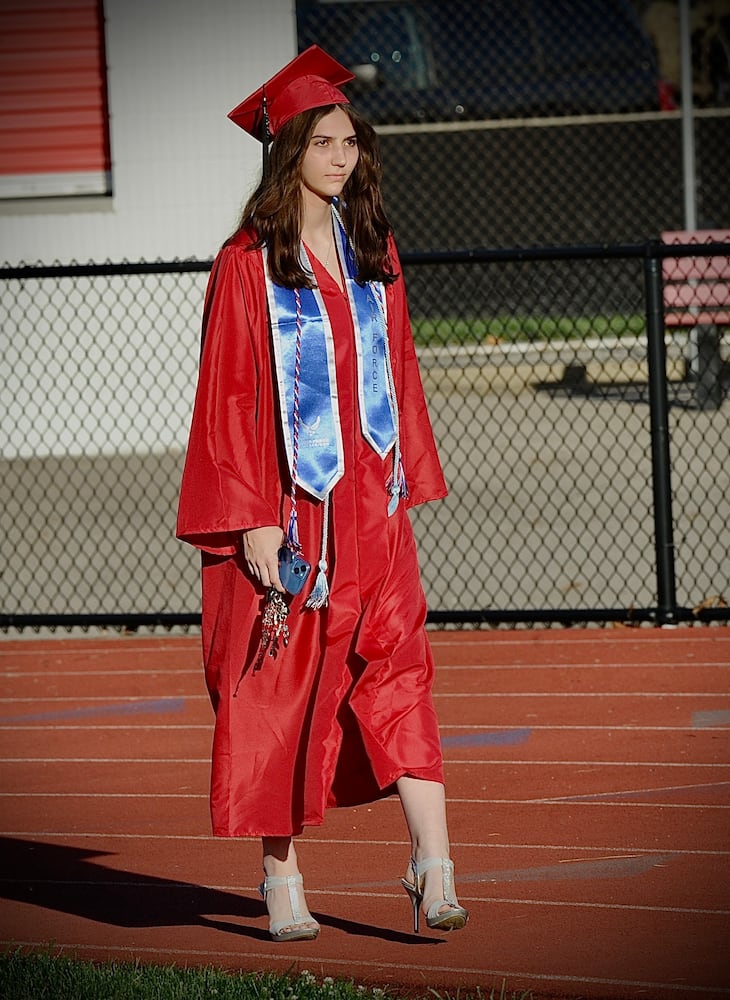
(43, 976)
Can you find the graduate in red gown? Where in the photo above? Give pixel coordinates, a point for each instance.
(310, 439)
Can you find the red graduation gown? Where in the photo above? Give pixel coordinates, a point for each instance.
(346, 708)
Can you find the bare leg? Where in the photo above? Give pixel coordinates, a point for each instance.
(280, 859)
(424, 806)
(280, 856)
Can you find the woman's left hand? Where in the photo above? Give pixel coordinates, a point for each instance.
(261, 552)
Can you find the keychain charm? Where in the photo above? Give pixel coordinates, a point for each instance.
(274, 629)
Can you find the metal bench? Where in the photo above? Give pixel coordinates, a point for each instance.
(697, 297)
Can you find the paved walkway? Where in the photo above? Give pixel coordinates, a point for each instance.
(588, 775)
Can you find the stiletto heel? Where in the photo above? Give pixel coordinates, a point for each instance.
(300, 915)
(452, 919)
(415, 898)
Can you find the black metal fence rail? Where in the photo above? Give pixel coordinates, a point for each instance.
(586, 448)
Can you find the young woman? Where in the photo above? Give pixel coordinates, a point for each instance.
(310, 439)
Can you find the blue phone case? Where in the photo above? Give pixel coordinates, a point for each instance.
(293, 570)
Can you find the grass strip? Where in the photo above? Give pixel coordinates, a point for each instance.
(46, 976)
(430, 331)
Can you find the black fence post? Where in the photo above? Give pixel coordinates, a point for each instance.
(659, 418)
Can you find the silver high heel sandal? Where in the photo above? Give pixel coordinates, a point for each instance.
(300, 915)
(452, 919)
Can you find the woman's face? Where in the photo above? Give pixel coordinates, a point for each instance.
(330, 157)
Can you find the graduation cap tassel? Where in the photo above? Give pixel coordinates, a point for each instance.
(266, 133)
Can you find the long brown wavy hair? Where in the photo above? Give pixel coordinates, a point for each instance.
(275, 209)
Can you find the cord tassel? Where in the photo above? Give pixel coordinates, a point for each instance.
(397, 485)
(320, 591)
(320, 595)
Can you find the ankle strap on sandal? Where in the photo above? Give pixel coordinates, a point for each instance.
(292, 883)
(419, 868)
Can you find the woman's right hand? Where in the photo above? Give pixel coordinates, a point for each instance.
(261, 552)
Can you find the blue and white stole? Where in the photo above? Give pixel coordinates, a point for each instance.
(307, 385)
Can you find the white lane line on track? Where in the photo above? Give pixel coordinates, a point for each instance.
(71, 835)
(590, 765)
(482, 761)
(582, 694)
(119, 648)
(104, 795)
(143, 727)
(506, 762)
(605, 805)
(694, 730)
(110, 647)
(723, 664)
(167, 885)
(52, 699)
(697, 637)
(560, 695)
(44, 727)
(602, 729)
(105, 760)
(509, 761)
(73, 645)
(582, 798)
(641, 791)
(102, 699)
(422, 969)
(198, 671)
(143, 672)
(613, 803)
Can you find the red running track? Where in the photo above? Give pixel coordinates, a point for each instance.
(588, 777)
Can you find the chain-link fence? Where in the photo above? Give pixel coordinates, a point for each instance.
(98, 370)
(588, 464)
(503, 123)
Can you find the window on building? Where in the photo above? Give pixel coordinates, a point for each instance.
(54, 121)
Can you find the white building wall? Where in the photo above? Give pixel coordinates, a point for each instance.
(80, 377)
(180, 168)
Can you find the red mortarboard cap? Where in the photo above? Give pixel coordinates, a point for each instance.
(310, 80)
